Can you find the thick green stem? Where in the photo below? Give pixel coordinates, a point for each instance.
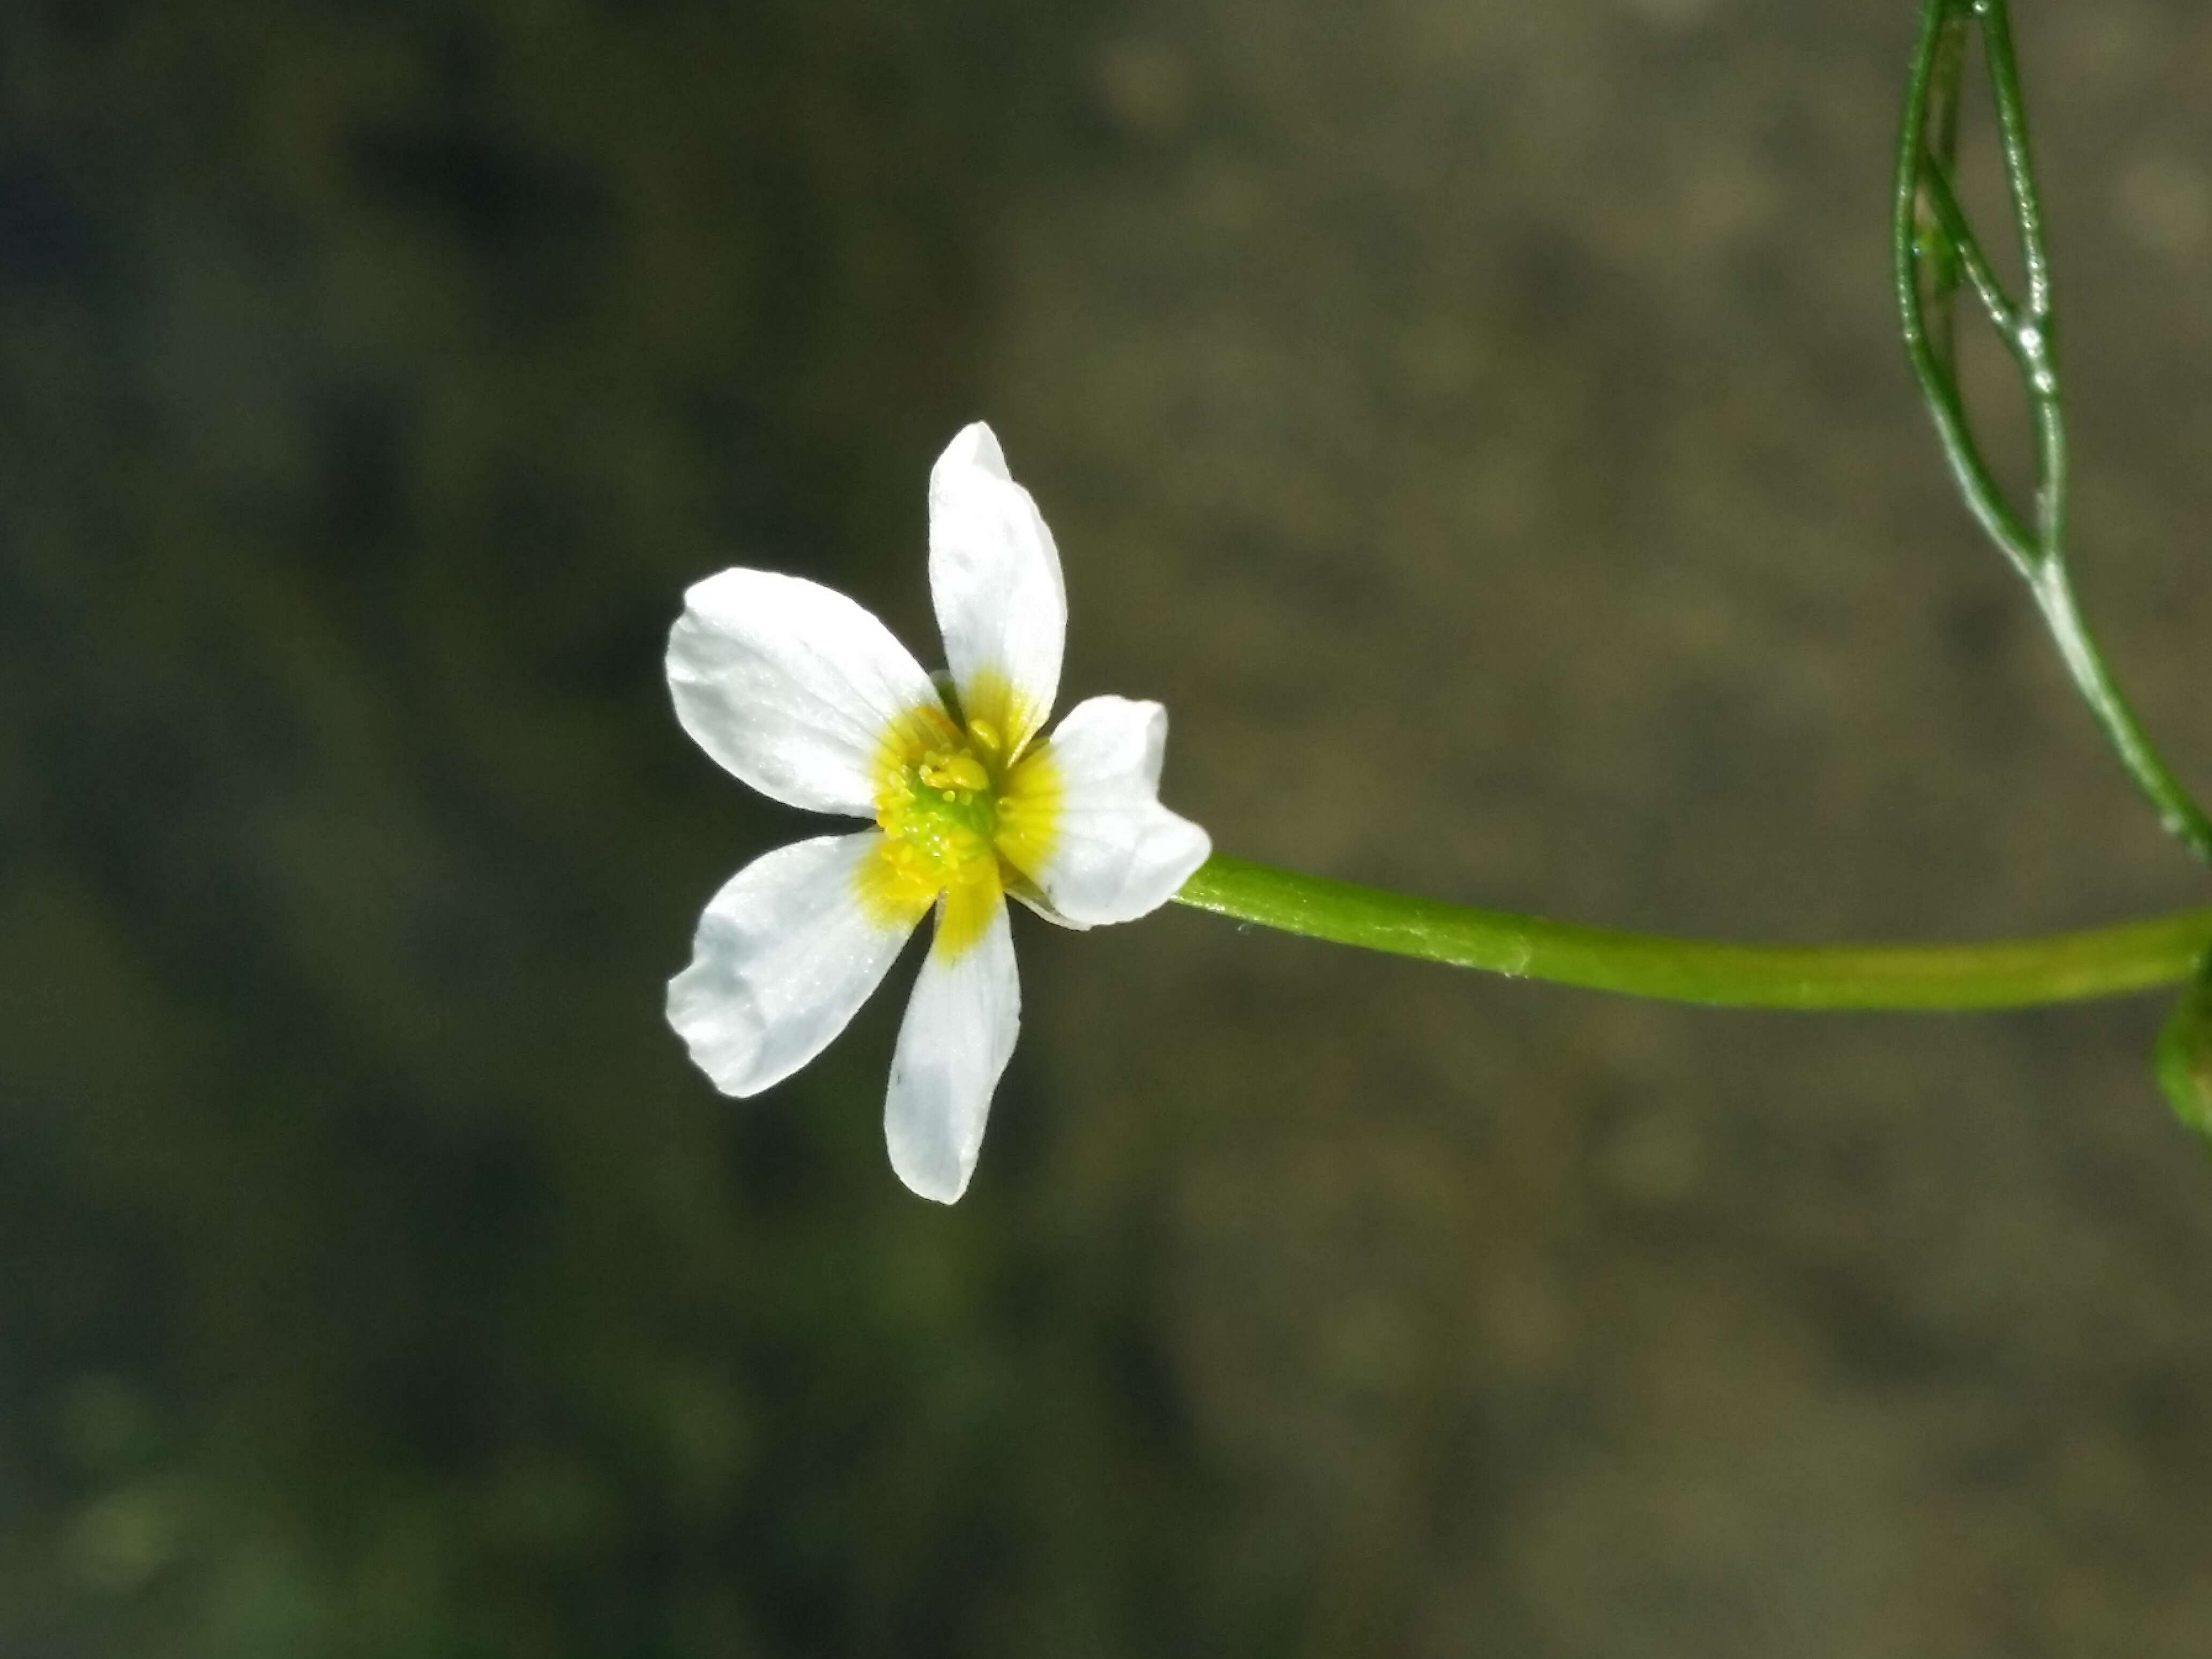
(2007, 973)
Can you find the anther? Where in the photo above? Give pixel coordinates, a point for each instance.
(967, 773)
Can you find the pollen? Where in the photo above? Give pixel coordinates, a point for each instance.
(961, 817)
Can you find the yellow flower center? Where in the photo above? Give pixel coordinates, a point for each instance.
(960, 818)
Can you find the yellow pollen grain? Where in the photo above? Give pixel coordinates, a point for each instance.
(961, 771)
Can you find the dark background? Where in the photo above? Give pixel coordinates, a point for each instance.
(1481, 423)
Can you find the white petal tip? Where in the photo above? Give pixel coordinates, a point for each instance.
(722, 1035)
(975, 445)
(925, 1146)
(939, 1185)
(1168, 851)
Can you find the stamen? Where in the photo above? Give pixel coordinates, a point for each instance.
(938, 806)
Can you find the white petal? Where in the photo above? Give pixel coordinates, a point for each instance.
(956, 1038)
(994, 576)
(792, 686)
(785, 954)
(1033, 900)
(1116, 854)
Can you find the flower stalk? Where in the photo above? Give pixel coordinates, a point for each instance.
(2019, 972)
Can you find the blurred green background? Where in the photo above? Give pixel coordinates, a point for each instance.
(1481, 424)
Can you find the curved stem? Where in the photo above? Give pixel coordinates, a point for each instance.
(2006, 974)
(1943, 203)
(1919, 246)
(1932, 246)
(2012, 143)
(2034, 341)
(2176, 809)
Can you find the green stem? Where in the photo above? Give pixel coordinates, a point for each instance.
(1932, 245)
(1917, 236)
(2034, 339)
(2003, 315)
(2007, 973)
(2176, 809)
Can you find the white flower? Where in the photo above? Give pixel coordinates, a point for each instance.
(810, 699)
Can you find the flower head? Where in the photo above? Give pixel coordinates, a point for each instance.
(809, 699)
